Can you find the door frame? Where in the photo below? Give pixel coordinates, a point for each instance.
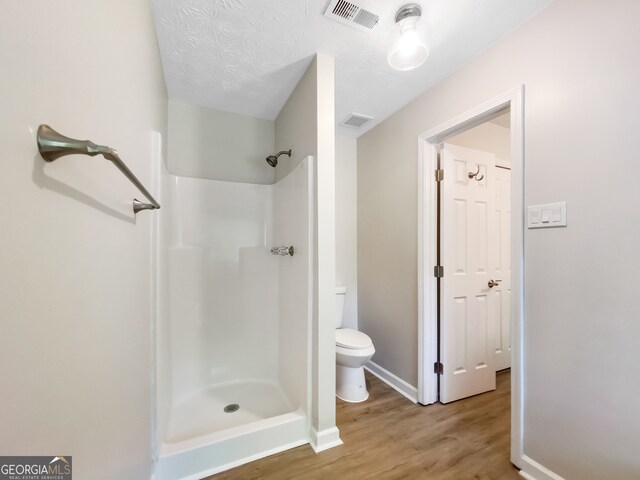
(428, 141)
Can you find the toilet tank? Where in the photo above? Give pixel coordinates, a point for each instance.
(340, 295)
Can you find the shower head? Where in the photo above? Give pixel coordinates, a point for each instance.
(273, 159)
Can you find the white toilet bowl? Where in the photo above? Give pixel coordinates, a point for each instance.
(353, 350)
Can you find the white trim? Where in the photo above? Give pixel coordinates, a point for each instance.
(244, 460)
(427, 286)
(526, 475)
(427, 382)
(403, 388)
(324, 440)
(517, 274)
(532, 470)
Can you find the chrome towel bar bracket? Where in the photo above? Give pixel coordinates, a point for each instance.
(53, 145)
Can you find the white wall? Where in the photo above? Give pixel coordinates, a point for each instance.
(347, 226)
(75, 289)
(217, 145)
(297, 123)
(579, 63)
(306, 124)
(292, 211)
(487, 137)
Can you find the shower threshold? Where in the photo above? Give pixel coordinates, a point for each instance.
(206, 440)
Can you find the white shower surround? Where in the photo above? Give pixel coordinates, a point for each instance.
(234, 321)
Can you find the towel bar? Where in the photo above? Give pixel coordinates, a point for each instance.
(53, 145)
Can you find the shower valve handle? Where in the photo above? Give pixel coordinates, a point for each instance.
(284, 251)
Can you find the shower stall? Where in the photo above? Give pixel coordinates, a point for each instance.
(233, 321)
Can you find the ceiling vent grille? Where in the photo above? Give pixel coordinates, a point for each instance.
(356, 120)
(351, 14)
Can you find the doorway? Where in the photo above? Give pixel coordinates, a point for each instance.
(432, 369)
(473, 242)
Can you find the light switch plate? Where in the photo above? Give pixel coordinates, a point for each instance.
(547, 216)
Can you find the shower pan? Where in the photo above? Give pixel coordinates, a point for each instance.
(233, 323)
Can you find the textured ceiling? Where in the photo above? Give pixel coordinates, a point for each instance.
(246, 56)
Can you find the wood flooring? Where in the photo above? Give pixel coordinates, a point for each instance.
(388, 437)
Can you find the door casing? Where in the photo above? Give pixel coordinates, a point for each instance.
(513, 100)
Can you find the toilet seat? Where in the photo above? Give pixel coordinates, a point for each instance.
(352, 339)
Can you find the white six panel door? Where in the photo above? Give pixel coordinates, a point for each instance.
(467, 350)
(500, 260)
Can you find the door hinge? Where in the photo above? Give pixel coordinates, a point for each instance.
(439, 175)
(438, 368)
(438, 271)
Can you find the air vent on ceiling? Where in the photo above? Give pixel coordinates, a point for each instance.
(352, 15)
(356, 120)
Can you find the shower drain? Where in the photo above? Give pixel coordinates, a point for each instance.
(232, 407)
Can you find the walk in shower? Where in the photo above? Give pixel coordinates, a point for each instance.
(233, 321)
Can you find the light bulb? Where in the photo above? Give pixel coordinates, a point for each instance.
(408, 42)
(407, 49)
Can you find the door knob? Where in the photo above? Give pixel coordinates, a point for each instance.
(284, 251)
(493, 283)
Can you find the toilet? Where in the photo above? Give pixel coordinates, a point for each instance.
(353, 350)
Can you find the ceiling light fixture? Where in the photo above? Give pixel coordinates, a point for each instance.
(407, 49)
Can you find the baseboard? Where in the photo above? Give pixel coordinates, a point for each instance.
(324, 440)
(532, 470)
(399, 385)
